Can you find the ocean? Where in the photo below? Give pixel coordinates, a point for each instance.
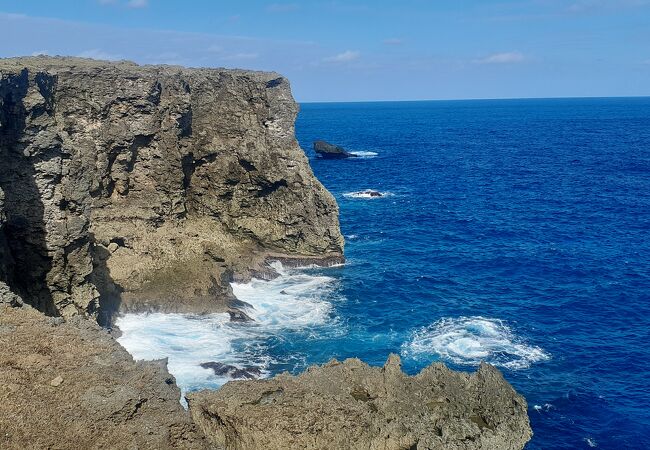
(515, 232)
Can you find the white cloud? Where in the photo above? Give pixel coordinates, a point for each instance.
(138, 3)
(346, 56)
(96, 53)
(393, 41)
(41, 53)
(503, 58)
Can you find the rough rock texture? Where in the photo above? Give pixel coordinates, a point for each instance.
(69, 385)
(350, 405)
(151, 185)
(331, 151)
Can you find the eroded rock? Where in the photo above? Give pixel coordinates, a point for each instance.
(350, 405)
(69, 385)
(330, 151)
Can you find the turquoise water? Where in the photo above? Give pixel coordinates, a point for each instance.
(515, 232)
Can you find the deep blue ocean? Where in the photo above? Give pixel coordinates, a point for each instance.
(511, 231)
(535, 213)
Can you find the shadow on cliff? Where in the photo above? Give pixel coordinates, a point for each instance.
(25, 228)
(110, 293)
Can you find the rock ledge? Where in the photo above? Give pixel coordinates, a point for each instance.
(351, 405)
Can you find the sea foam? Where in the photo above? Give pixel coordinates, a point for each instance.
(294, 301)
(367, 194)
(470, 340)
(364, 154)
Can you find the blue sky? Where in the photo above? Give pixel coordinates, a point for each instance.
(360, 50)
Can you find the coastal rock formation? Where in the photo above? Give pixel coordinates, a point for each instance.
(69, 385)
(331, 151)
(151, 187)
(350, 405)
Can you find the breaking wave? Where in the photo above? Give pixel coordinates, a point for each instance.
(295, 301)
(367, 193)
(470, 340)
(365, 154)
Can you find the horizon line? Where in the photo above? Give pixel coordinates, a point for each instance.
(586, 97)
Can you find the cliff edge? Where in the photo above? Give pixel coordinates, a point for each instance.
(141, 188)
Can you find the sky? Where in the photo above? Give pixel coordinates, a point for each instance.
(361, 50)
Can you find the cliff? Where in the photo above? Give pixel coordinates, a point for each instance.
(129, 183)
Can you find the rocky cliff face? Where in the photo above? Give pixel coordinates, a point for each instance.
(151, 186)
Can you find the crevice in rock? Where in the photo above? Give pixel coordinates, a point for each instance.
(267, 188)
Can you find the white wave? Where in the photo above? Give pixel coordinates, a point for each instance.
(294, 301)
(470, 340)
(367, 193)
(365, 154)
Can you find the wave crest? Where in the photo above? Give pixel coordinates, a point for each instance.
(368, 194)
(470, 340)
(295, 302)
(364, 154)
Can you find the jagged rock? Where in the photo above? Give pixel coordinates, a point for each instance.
(69, 385)
(221, 369)
(331, 151)
(237, 315)
(350, 405)
(195, 174)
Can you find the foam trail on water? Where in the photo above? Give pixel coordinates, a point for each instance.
(293, 302)
(367, 193)
(470, 340)
(364, 154)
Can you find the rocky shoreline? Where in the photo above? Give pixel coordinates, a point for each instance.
(127, 188)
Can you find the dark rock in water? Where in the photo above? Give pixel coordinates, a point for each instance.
(237, 315)
(366, 194)
(331, 151)
(221, 369)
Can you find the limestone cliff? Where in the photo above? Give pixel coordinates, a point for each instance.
(151, 185)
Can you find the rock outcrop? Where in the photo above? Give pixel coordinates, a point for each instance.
(69, 385)
(331, 151)
(350, 405)
(150, 187)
